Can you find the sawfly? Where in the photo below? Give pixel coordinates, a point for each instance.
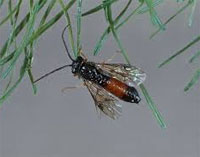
(106, 82)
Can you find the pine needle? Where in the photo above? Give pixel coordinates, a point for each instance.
(196, 55)
(193, 81)
(180, 52)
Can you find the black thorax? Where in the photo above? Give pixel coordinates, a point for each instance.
(88, 71)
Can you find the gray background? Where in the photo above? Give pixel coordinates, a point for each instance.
(57, 124)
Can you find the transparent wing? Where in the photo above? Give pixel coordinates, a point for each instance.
(124, 72)
(108, 104)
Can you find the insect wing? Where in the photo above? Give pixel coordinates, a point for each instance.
(124, 72)
(108, 104)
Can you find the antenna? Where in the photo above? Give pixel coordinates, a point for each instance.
(63, 32)
(62, 67)
(49, 73)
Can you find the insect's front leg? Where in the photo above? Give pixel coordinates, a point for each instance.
(83, 55)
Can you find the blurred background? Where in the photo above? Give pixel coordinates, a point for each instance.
(56, 124)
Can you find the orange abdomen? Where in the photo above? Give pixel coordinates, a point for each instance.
(122, 90)
(116, 87)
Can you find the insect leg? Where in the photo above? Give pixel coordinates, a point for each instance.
(112, 57)
(96, 106)
(94, 98)
(71, 88)
(82, 54)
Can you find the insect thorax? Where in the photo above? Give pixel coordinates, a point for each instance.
(88, 71)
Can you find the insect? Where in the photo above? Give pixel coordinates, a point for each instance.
(106, 82)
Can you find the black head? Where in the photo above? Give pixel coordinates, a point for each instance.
(76, 64)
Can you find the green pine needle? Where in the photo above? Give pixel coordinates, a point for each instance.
(115, 35)
(8, 16)
(171, 18)
(25, 40)
(154, 16)
(196, 55)
(153, 107)
(146, 9)
(79, 15)
(28, 40)
(69, 24)
(6, 59)
(47, 12)
(99, 7)
(180, 52)
(191, 17)
(29, 56)
(1, 2)
(104, 36)
(10, 90)
(193, 81)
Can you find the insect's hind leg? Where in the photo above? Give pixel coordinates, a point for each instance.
(71, 88)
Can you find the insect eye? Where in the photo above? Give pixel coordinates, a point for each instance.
(74, 69)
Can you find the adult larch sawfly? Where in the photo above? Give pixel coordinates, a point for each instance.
(106, 82)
